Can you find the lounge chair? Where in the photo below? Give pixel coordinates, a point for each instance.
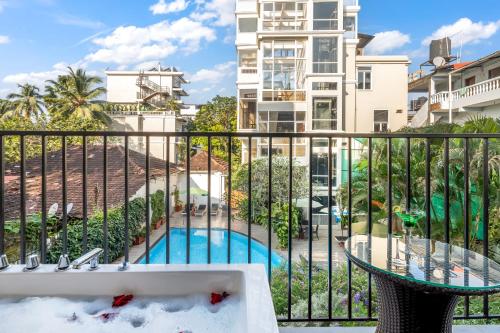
(214, 211)
(200, 210)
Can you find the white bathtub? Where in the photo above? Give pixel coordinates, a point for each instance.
(249, 282)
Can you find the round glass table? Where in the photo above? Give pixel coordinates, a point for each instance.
(419, 280)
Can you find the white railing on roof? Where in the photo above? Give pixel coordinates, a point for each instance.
(439, 98)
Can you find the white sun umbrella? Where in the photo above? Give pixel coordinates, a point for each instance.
(304, 203)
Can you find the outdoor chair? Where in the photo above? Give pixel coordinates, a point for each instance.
(215, 210)
(304, 230)
(201, 210)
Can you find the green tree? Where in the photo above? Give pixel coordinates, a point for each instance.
(173, 105)
(27, 103)
(5, 106)
(76, 94)
(218, 115)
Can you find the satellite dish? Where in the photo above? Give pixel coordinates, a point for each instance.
(69, 207)
(439, 61)
(53, 209)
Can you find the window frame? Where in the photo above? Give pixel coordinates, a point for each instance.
(378, 125)
(319, 67)
(362, 83)
(334, 22)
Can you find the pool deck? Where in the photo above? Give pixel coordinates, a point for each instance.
(259, 233)
(456, 329)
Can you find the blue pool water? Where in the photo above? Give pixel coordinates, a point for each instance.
(218, 248)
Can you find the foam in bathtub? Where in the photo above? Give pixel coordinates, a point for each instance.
(170, 315)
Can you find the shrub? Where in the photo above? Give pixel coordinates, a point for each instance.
(95, 232)
(157, 205)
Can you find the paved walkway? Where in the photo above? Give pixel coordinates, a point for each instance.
(259, 233)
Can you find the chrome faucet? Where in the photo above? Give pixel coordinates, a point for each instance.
(4, 262)
(91, 257)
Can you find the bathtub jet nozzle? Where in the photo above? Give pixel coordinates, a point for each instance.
(32, 263)
(64, 263)
(4, 262)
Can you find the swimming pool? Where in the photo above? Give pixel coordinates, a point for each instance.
(218, 248)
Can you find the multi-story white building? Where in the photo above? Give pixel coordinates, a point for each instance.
(474, 88)
(143, 101)
(302, 68)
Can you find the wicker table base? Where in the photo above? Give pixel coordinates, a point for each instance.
(411, 310)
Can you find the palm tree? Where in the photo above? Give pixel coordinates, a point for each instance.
(75, 94)
(5, 106)
(172, 105)
(27, 103)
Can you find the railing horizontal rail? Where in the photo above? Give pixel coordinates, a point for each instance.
(255, 135)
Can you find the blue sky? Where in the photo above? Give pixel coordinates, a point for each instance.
(39, 38)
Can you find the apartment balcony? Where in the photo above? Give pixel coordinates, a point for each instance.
(473, 97)
(198, 223)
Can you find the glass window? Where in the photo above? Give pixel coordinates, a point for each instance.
(325, 16)
(364, 78)
(325, 55)
(350, 23)
(381, 121)
(284, 16)
(324, 86)
(325, 114)
(248, 58)
(247, 24)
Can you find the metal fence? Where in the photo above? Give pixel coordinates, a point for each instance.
(104, 139)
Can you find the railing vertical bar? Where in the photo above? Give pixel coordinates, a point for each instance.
(447, 190)
(2, 202)
(349, 228)
(428, 188)
(43, 236)
(466, 210)
(126, 198)
(188, 199)
(270, 204)
(486, 219)
(167, 204)
(249, 246)
(64, 194)
(209, 201)
(148, 197)
(84, 194)
(23, 201)
(290, 224)
(310, 234)
(370, 216)
(330, 223)
(408, 174)
(389, 186)
(105, 198)
(229, 196)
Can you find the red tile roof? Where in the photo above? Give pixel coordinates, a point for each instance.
(115, 187)
(199, 163)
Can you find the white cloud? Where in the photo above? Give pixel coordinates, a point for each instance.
(464, 31)
(66, 19)
(4, 39)
(387, 41)
(37, 78)
(161, 7)
(3, 4)
(215, 74)
(128, 45)
(218, 12)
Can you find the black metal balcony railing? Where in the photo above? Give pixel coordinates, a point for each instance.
(104, 139)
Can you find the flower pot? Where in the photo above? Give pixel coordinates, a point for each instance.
(157, 225)
(139, 240)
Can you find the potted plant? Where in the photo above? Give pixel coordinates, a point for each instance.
(141, 237)
(178, 203)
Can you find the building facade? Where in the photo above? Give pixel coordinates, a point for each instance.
(302, 68)
(149, 101)
(474, 88)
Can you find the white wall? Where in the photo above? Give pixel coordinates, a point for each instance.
(200, 180)
(389, 92)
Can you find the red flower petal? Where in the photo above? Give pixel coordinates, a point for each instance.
(216, 298)
(108, 316)
(122, 300)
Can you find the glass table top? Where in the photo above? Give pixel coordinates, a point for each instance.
(425, 261)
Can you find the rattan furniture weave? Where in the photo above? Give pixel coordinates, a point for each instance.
(419, 281)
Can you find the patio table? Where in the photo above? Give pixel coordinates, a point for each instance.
(419, 281)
